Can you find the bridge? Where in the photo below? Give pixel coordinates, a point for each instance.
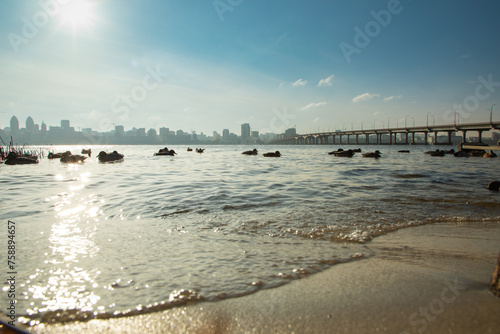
(406, 134)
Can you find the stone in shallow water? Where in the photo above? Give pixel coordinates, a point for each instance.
(494, 185)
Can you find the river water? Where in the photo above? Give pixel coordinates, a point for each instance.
(105, 240)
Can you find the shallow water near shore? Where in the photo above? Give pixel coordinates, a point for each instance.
(105, 240)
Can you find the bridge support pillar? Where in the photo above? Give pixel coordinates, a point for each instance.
(480, 136)
(367, 139)
(449, 137)
(464, 136)
(357, 139)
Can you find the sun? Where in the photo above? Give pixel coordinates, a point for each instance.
(78, 14)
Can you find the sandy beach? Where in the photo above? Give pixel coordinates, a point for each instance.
(427, 279)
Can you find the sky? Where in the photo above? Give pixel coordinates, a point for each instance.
(205, 65)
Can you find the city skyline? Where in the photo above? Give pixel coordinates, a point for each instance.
(34, 133)
(318, 65)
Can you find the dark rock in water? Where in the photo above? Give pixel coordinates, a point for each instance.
(494, 185)
(495, 279)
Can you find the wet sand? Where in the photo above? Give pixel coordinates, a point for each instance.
(427, 279)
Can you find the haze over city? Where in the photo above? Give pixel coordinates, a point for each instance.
(317, 65)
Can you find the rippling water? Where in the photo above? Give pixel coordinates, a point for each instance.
(148, 233)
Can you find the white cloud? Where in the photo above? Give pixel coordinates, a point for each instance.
(313, 105)
(394, 97)
(326, 82)
(299, 83)
(364, 97)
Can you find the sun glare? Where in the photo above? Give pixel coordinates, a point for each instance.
(78, 14)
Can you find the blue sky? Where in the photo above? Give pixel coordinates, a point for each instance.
(207, 65)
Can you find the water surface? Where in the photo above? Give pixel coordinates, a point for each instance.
(148, 233)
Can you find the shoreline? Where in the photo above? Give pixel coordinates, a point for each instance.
(424, 279)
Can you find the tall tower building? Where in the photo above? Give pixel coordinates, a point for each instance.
(30, 125)
(245, 131)
(14, 125)
(65, 124)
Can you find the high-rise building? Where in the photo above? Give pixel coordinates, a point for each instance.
(65, 124)
(225, 135)
(30, 125)
(245, 132)
(44, 127)
(119, 130)
(14, 125)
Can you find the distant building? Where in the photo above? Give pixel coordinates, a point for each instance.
(140, 132)
(164, 132)
(55, 131)
(151, 133)
(30, 125)
(290, 132)
(119, 130)
(225, 135)
(245, 132)
(65, 124)
(44, 127)
(255, 134)
(14, 125)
